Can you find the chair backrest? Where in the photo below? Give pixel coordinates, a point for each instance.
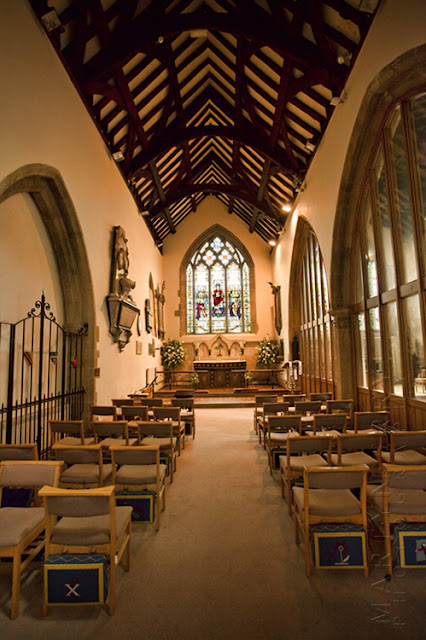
(80, 454)
(167, 413)
(275, 407)
(66, 427)
(18, 452)
(336, 477)
(158, 429)
(340, 406)
(102, 411)
(400, 440)
(309, 444)
(307, 407)
(259, 401)
(292, 398)
(183, 403)
(143, 454)
(29, 473)
(152, 402)
(134, 413)
(320, 396)
(284, 423)
(359, 442)
(78, 503)
(399, 476)
(371, 420)
(110, 429)
(336, 421)
(122, 402)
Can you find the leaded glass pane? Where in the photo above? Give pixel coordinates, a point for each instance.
(359, 290)
(202, 314)
(361, 349)
(394, 351)
(328, 350)
(324, 288)
(209, 257)
(419, 111)
(376, 371)
(225, 256)
(217, 244)
(406, 232)
(318, 278)
(388, 264)
(321, 350)
(246, 298)
(218, 310)
(233, 281)
(373, 286)
(189, 300)
(312, 276)
(416, 356)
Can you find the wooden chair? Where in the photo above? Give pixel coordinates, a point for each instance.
(72, 431)
(307, 409)
(85, 468)
(132, 415)
(138, 469)
(152, 402)
(304, 451)
(279, 429)
(89, 522)
(401, 498)
(371, 420)
(331, 423)
(18, 451)
(21, 527)
(259, 401)
(293, 398)
(406, 447)
(161, 434)
(352, 447)
(187, 413)
(269, 409)
(122, 402)
(103, 412)
(323, 397)
(172, 414)
(342, 406)
(326, 497)
(108, 433)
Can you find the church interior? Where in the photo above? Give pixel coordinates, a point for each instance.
(210, 208)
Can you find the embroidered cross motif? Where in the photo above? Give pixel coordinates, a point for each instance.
(73, 588)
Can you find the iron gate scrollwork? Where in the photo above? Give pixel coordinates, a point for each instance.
(44, 365)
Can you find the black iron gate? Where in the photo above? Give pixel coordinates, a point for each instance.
(41, 376)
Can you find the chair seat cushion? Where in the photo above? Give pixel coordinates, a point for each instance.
(277, 437)
(89, 530)
(107, 442)
(74, 440)
(85, 473)
(328, 502)
(410, 456)
(139, 474)
(163, 442)
(18, 522)
(324, 432)
(403, 501)
(297, 463)
(354, 458)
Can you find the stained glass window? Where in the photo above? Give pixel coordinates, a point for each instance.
(218, 289)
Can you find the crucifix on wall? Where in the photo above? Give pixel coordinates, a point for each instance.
(276, 290)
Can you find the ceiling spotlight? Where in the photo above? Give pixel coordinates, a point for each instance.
(344, 58)
(286, 207)
(51, 21)
(272, 243)
(160, 39)
(118, 156)
(309, 146)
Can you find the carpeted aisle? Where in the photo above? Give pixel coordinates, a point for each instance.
(225, 566)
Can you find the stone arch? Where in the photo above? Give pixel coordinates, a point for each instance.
(46, 187)
(203, 237)
(303, 230)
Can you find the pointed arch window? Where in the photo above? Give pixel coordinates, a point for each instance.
(218, 289)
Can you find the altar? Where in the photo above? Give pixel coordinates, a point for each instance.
(220, 373)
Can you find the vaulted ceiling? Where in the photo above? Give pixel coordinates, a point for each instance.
(199, 97)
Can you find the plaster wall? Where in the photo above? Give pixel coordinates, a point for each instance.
(44, 121)
(394, 31)
(211, 211)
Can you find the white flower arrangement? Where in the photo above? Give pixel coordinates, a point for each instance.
(195, 380)
(248, 378)
(172, 354)
(267, 352)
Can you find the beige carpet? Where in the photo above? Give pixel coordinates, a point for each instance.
(225, 566)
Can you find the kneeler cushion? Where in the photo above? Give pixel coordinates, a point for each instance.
(76, 579)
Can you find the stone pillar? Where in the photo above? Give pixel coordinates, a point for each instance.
(343, 356)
